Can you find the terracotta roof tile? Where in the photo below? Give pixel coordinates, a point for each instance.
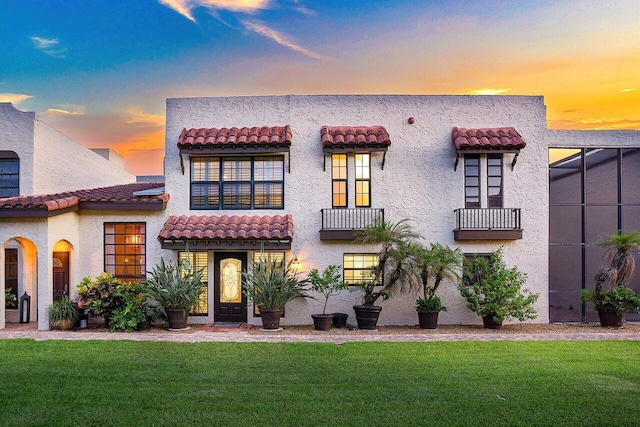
(255, 136)
(104, 195)
(365, 136)
(225, 227)
(504, 138)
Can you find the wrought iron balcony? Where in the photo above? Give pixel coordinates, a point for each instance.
(342, 223)
(487, 224)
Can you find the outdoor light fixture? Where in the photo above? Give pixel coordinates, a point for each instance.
(295, 264)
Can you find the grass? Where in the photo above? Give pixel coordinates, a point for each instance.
(102, 383)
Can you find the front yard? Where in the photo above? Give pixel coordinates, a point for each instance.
(437, 383)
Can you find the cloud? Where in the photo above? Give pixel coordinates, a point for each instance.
(14, 98)
(48, 46)
(488, 91)
(138, 136)
(70, 109)
(186, 7)
(587, 123)
(304, 10)
(631, 89)
(282, 39)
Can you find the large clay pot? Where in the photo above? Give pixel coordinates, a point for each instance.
(177, 317)
(489, 323)
(270, 318)
(63, 325)
(611, 319)
(322, 322)
(340, 320)
(428, 319)
(367, 316)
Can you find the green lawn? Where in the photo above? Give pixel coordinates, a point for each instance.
(355, 384)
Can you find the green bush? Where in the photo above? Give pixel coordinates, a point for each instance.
(99, 296)
(63, 309)
(327, 283)
(132, 309)
(493, 290)
(174, 287)
(619, 299)
(10, 299)
(271, 285)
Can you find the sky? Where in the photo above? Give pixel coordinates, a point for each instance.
(100, 70)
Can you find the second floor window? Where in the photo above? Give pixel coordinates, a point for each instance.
(9, 177)
(237, 182)
(474, 187)
(363, 180)
(471, 181)
(494, 180)
(339, 180)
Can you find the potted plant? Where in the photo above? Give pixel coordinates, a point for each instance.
(10, 298)
(496, 292)
(270, 286)
(175, 289)
(616, 274)
(327, 283)
(63, 314)
(395, 270)
(435, 263)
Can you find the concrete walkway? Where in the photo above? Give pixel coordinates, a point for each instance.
(211, 335)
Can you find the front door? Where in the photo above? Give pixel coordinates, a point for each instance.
(230, 304)
(60, 275)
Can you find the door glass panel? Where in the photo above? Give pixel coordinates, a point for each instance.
(231, 280)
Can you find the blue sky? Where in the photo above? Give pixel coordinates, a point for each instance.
(100, 70)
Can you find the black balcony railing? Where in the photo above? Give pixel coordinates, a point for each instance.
(340, 224)
(488, 219)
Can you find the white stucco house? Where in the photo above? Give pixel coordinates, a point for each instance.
(294, 176)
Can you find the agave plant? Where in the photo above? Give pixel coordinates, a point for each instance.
(396, 261)
(271, 285)
(173, 287)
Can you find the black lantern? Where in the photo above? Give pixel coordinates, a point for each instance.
(25, 308)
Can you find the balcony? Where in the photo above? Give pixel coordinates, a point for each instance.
(487, 224)
(341, 224)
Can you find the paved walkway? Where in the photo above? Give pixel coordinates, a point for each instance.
(209, 335)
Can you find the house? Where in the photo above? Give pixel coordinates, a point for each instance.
(294, 176)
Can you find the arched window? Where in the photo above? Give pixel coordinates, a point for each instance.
(9, 174)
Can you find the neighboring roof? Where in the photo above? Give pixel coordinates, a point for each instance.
(504, 138)
(235, 137)
(116, 197)
(225, 227)
(354, 137)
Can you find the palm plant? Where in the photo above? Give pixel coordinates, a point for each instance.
(618, 256)
(395, 270)
(436, 263)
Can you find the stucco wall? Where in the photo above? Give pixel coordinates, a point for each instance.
(418, 180)
(16, 134)
(57, 158)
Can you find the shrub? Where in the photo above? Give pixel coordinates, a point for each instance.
(63, 309)
(493, 290)
(99, 296)
(327, 283)
(271, 285)
(174, 287)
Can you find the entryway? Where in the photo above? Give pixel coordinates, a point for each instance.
(230, 304)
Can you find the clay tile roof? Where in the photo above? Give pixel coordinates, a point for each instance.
(255, 136)
(95, 198)
(355, 136)
(505, 138)
(225, 227)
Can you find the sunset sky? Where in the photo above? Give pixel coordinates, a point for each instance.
(100, 70)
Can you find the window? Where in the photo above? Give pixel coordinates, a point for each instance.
(469, 276)
(363, 180)
(237, 183)
(9, 176)
(494, 180)
(358, 268)
(339, 180)
(11, 274)
(471, 181)
(125, 250)
(194, 261)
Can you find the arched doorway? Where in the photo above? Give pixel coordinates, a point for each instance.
(18, 270)
(61, 272)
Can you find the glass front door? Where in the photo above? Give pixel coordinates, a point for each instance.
(230, 304)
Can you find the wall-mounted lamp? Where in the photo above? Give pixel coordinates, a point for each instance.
(295, 264)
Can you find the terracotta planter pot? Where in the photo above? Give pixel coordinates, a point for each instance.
(367, 316)
(340, 320)
(322, 322)
(270, 318)
(490, 324)
(611, 319)
(428, 319)
(177, 317)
